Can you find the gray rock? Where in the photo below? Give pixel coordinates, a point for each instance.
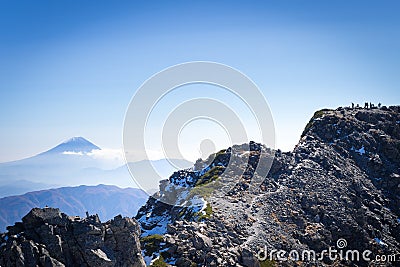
(48, 237)
(248, 259)
(201, 241)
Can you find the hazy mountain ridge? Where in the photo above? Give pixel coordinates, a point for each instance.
(105, 200)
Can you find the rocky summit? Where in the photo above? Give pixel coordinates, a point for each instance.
(47, 237)
(332, 201)
(337, 190)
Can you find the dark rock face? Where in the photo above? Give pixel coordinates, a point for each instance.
(47, 237)
(341, 181)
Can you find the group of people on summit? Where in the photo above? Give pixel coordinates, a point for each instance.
(366, 105)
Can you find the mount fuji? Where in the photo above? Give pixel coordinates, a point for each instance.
(73, 162)
(74, 145)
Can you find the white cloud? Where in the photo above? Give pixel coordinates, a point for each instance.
(149, 154)
(154, 154)
(108, 156)
(73, 153)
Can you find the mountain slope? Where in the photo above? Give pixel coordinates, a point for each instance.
(19, 187)
(50, 168)
(104, 200)
(338, 188)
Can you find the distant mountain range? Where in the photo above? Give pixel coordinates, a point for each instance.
(72, 163)
(105, 200)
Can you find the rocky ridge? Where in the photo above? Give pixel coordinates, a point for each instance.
(47, 237)
(341, 182)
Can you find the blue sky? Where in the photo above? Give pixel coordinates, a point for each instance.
(70, 68)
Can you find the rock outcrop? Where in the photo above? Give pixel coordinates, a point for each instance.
(47, 237)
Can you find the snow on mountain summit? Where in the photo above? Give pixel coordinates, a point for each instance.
(75, 145)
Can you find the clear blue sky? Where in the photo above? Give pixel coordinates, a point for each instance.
(70, 68)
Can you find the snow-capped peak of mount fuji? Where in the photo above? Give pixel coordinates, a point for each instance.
(75, 145)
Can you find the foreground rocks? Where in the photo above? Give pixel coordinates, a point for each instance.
(47, 237)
